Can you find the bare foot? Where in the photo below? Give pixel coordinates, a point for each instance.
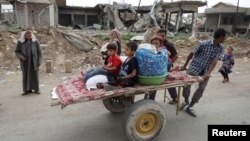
(81, 76)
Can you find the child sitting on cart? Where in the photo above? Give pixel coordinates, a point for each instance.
(128, 73)
(112, 69)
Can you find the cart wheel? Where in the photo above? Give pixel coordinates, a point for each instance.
(118, 104)
(144, 121)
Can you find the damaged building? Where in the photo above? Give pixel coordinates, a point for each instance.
(36, 12)
(106, 15)
(175, 11)
(126, 16)
(225, 15)
(78, 16)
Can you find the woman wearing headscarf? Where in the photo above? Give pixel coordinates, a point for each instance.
(29, 52)
(116, 37)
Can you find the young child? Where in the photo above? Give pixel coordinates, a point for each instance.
(128, 73)
(113, 67)
(228, 63)
(157, 41)
(116, 37)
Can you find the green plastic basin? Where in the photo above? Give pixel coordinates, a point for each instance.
(151, 80)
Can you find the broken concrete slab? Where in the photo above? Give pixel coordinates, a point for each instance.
(118, 22)
(78, 41)
(148, 19)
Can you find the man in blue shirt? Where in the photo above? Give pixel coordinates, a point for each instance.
(205, 57)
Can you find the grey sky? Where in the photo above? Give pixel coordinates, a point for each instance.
(243, 3)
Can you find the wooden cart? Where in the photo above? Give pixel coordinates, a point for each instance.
(144, 119)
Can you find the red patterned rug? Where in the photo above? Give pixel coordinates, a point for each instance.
(74, 91)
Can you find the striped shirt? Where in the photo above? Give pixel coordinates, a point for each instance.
(204, 54)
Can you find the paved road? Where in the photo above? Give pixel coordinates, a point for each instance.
(31, 118)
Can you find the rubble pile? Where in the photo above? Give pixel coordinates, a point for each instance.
(57, 47)
(54, 47)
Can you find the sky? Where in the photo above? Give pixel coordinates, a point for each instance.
(242, 3)
(83, 3)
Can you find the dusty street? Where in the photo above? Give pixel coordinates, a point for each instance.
(29, 118)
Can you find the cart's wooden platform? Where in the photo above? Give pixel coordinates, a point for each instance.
(74, 91)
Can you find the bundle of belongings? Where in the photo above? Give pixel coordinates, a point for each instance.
(152, 65)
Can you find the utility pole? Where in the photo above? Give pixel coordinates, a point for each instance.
(236, 15)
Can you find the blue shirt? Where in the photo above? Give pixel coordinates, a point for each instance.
(204, 54)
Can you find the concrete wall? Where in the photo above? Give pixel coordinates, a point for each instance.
(33, 14)
(61, 2)
(212, 22)
(228, 28)
(213, 19)
(42, 19)
(81, 16)
(21, 14)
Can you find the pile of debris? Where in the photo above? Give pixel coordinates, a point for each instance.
(57, 45)
(83, 47)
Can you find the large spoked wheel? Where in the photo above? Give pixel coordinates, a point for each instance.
(144, 121)
(118, 104)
